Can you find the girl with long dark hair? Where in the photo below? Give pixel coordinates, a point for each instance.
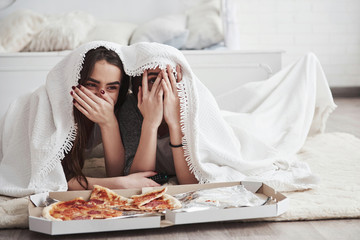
(102, 89)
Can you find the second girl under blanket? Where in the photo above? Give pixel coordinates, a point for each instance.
(257, 141)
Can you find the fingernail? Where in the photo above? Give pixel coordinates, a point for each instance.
(102, 91)
(71, 93)
(74, 101)
(78, 86)
(73, 87)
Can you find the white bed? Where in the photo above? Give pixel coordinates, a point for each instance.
(21, 72)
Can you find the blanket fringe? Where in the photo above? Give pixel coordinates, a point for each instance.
(184, 108)
(60, 155)
(140, 70)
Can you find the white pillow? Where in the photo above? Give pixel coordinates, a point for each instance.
(118, 32)
(205, 25)
(18, 28)
(62, 32)
(169, 29)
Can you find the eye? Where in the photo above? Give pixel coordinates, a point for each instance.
(112, 88)
(151, 80)
(90, 84)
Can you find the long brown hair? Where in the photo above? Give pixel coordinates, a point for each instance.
(74, 161)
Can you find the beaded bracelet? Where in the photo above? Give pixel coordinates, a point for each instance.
(175, 146)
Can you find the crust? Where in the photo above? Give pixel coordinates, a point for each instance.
(46, 212)
(175, 203)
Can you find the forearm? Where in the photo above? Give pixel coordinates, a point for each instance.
(183, 173)
(145, 157)
(137, 180)
(112, 183)
(113, 149)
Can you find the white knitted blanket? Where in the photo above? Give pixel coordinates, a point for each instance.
(259, 140)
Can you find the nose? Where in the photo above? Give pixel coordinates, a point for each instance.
(100, 93)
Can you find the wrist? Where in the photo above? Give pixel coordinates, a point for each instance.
(121, 182)
(175, 136)
(173, 122)
(112, 122)
(175, 145)
(174, 128)
(150, 125)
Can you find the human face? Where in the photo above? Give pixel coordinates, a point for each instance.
(104, 76)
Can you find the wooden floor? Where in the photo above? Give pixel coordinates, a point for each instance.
(330, 229)
(346, 118)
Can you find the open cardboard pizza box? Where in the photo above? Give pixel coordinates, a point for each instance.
(278, 205)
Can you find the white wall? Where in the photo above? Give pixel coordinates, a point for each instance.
(329, 28)
(121, 10)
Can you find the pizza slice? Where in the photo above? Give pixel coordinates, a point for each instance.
(166, 201)
(103, 195)
(142, 199)
(78, 209)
